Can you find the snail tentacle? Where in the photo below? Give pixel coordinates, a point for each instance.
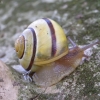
(72, 42)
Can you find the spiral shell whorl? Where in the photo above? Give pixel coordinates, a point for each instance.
(20, 46)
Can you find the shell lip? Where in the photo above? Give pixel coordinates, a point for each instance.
(50, 60)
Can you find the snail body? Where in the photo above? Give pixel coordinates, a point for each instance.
(43, 51)
(52, 73)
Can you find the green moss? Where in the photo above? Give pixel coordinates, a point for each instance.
(87, 78)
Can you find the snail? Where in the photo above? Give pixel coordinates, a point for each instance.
(43, 52)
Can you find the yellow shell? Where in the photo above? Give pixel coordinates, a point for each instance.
(43, 41)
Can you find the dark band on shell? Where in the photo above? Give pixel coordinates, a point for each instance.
(34, 49)
(53, 36)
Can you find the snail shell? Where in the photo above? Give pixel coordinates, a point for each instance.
(43, 42)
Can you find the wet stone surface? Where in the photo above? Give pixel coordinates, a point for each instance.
(80, 20)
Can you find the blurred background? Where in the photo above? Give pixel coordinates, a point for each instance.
(79, 18)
